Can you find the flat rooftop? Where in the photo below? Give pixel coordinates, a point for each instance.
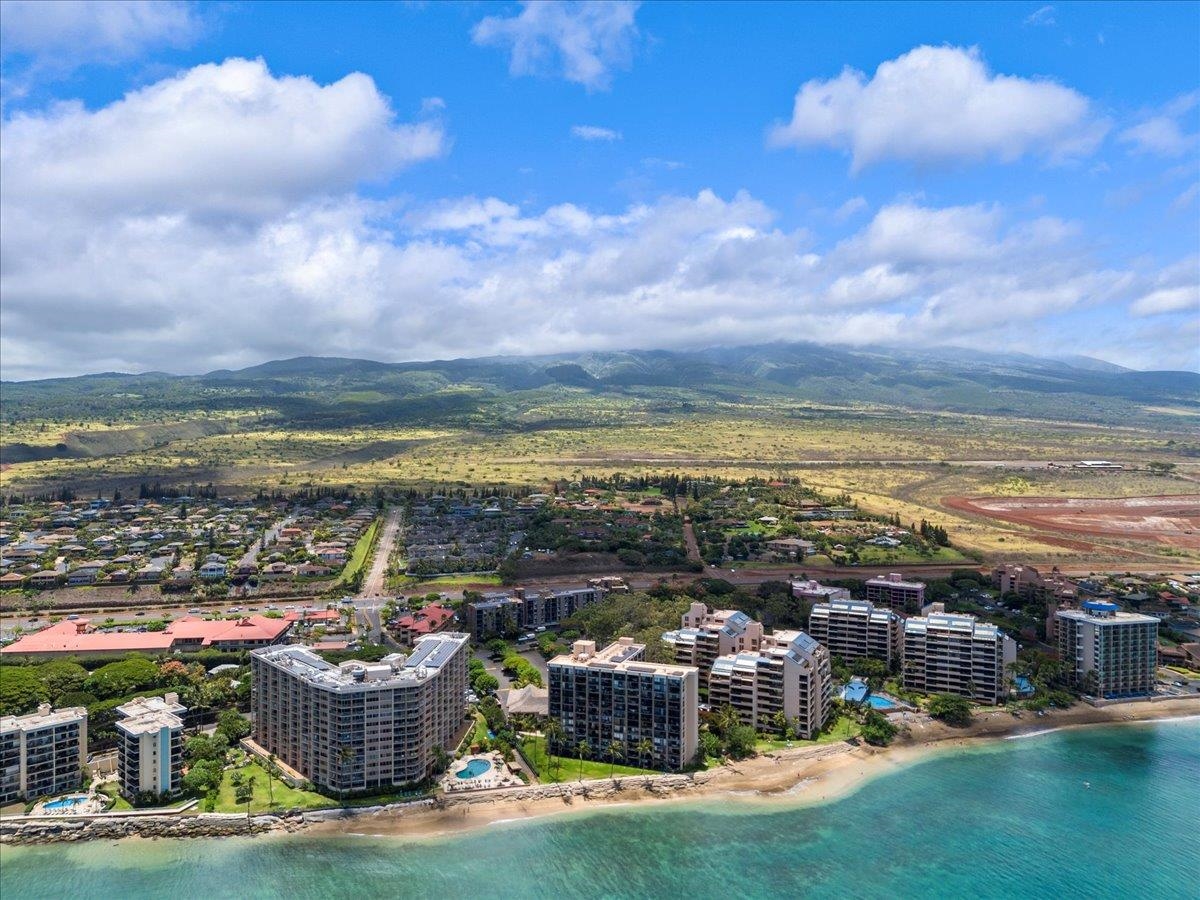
(621, 655)
(430, 654)
(38, 720)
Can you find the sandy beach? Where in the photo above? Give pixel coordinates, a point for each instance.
(807, 774)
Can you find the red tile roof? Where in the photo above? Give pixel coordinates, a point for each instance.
(74, 637)
(426, 621)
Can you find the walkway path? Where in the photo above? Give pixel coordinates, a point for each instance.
(376, 580)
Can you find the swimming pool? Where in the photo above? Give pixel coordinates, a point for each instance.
(64, 803)
(879, 701)
(474, 768)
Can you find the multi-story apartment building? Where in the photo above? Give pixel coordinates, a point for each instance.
(539, 608)
(705, 635)
(43, 753)
(789, 673)
(150, 745)
(1110, 653)
(496, 615)
(956, 654)
(892, 591)
(853, 629)
(815, 592)
(361, 726)
(651, 710)
(501, 614)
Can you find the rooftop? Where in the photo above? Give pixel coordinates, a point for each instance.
(429, 655)
(45, 717)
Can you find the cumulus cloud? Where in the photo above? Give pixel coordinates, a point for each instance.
(213, 220)
(939, 105)
(583, 41)
(595, 133)
(58, 35)
(229, 139)
(1162, 133)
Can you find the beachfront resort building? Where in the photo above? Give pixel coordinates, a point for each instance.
(613, 695)
(705, 635)
(854, 629)
(360, 725)
(956, 654)
(1110, 653)
(150, 745)
(43, 753)
(788, 674)
(892, 591)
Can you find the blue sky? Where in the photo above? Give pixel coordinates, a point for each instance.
(197, 186)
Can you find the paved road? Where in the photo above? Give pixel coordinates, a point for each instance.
(250, 558)
(375, 583)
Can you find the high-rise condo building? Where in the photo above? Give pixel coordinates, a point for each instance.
(789, 673)
(1109, 653)
(956, 654)
(43, 753)
(905, 597)
(705, 635)
(853, 629)
(612, 695)
(361, 726)
(150, 745)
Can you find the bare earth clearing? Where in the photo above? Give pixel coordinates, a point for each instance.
(1174, 521)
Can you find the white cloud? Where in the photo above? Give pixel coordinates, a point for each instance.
(1162, 134)
(595, 133)
(850, 209)
(62, 34)
(212, 220)
(227, 139)
(1175, 290)
(582, 41)
(939, 105)
(1186, 198)
(1043, 15)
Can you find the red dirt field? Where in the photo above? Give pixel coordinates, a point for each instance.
(1174, 520)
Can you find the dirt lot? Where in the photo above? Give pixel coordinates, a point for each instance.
(1174, 521)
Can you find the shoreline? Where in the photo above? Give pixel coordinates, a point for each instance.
(807, 775)
(803, 776)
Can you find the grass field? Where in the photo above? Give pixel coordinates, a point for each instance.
(362, 552)
(113, 790)
(566, 768)
(285, 796)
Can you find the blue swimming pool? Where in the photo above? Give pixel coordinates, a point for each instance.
(879, 701)
(474, 768)
(64, 803)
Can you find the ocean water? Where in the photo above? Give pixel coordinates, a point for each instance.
(1089, 813)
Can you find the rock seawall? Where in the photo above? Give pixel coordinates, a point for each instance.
(207, 825)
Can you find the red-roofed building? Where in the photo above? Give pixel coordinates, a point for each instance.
(75, 638)
(317, 615)
(432, 618)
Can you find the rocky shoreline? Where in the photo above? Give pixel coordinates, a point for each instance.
(49, 830)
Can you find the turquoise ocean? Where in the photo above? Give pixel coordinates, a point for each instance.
(1090, 813)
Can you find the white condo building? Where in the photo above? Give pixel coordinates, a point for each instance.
(150, 745)
(1110, 653)
(956, 654)
(853, 629)
(43, 753)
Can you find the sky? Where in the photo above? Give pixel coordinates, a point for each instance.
(191, 186)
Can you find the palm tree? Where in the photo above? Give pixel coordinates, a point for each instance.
(645, 750)
(615, 750)
(554, 735)
(582, 749)
(272, 771)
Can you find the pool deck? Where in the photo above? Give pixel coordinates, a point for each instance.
(498, 775)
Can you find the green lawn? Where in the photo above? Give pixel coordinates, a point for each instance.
(449, 581)
(535, 753)
(362, 550)
(286, 797)
(843, 729)
(113, 790)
